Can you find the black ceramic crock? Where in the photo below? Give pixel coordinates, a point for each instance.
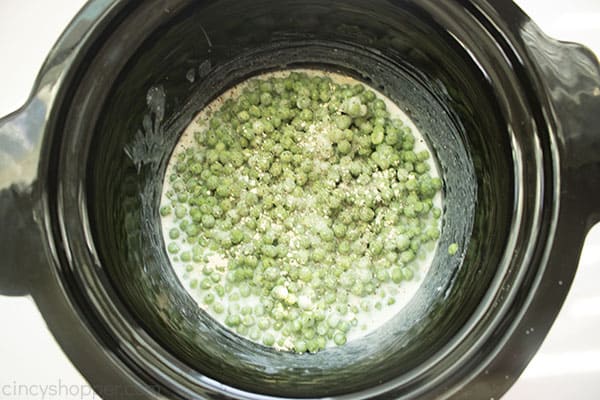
(511, 115)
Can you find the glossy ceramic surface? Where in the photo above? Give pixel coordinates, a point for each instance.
(514, 113)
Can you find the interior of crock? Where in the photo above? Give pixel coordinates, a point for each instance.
(196, 55)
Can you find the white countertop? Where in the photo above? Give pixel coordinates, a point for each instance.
(566, 367)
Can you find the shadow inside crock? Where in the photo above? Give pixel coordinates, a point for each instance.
(206, 50)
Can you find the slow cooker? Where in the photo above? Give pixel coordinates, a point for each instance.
(510, 114)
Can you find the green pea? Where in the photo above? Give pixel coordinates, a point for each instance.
(180, 211)
(165, 211)
(264, 323)
(243, 116)
(397, 275)
(268, 339)
(421, 168)
(407, 256)
(366, 214)
(245, 290)
(218, 308)
(248, 320)
(300, 346)
(185, 256)
(209, 298)
(377, 135)
(208, 221)
(174, 233)
(219, 290)
(407, 273)
(173, 248)
(343, 122)
(344, 326)
(453, 249)
(344, 147)
(339, 338)
(233, 320)
(266, 99)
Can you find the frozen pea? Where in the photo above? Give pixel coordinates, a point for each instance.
(453, 249)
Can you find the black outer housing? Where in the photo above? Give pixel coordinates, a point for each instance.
(564, 84)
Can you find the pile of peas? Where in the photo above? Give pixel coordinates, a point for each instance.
(314, 201)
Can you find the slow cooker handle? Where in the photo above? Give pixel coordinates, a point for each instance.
(571, 75)
(21, 247)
